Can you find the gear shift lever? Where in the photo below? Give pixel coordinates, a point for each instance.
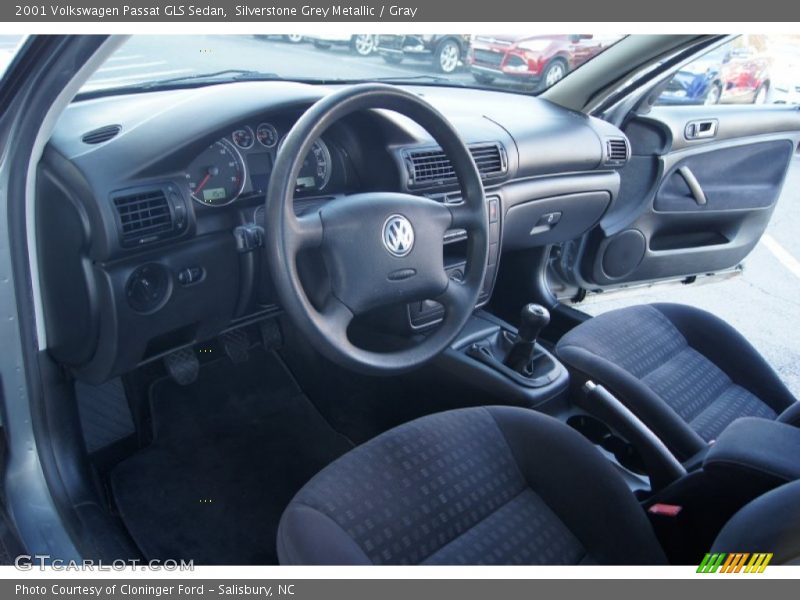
(533, 319)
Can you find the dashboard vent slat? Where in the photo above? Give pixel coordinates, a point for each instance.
(617, 151)
(103, 134)
(431, 165)
(143, 216)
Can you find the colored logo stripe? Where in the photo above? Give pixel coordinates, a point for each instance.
(758, 563)
(734, 562)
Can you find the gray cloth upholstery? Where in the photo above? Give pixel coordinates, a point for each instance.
(770, 523)
(495, 485)
(684, 372)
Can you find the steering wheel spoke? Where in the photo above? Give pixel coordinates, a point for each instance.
(337, 317)
(306, 231)
(465, 217)
(455, 297)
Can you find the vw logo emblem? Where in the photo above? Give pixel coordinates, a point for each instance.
(398, 235)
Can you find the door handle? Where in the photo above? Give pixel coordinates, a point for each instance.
(694, 185)
(699, 130)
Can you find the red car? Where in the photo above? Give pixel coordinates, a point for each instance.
(538, 61)
(745, 77)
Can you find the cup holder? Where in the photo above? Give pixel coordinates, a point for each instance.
(599, 433)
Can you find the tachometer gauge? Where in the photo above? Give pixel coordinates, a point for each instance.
(267, 135)
(243, 138)
(316, 170)
(315, 173)
(216, 176)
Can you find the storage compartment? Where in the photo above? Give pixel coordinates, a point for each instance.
(697, 239)
(552, 220)
(601, 435)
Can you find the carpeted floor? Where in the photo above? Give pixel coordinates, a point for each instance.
(229, 452)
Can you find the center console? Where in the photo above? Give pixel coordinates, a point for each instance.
(508, 363)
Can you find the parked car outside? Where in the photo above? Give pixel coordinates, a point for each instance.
(723, 76)
(538, 61)
(362, 44)
(445, 52)
(745, 77)
(785, 83)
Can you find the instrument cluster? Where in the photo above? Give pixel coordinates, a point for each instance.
(241, 164)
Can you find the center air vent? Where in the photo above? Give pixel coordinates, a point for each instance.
(103, 134)
(431, 166)
(149, 214)
(617, 151)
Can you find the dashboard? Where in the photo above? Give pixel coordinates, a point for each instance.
(150, 206)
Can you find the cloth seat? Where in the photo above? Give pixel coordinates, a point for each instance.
(495, 485)
(686, 373)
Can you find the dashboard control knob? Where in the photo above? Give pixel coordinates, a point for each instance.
(147, 288)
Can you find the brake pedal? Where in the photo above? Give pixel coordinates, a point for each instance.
(236, 345)
(183, 366)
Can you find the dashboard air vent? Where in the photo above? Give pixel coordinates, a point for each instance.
(103, 134)
(431, 166)
(617, 151)
(146, 215)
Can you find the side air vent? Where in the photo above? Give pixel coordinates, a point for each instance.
(431, 166)
(617, 151)
(103, 134)
(147, 215)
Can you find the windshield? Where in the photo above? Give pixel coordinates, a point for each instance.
(522, 62)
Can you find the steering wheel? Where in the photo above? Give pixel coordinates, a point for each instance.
(379, 248)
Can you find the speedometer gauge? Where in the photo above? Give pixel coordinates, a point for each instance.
(217, 175)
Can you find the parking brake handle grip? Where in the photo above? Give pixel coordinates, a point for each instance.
(662, 466)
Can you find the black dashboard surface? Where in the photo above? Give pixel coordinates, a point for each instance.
(175, 176)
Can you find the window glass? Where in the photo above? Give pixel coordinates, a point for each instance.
(751, 69)
(9, 45)
(521, 62)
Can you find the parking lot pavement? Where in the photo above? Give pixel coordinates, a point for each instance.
(144, 58)
(763, 302)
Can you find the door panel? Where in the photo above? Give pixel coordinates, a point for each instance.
(696, 196)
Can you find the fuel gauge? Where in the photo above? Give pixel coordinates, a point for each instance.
(243, 138)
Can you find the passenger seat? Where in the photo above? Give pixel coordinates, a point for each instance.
(684, 372)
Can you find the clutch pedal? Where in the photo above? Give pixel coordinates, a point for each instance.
(183, 366)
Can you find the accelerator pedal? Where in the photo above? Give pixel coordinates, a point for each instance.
(183, 366)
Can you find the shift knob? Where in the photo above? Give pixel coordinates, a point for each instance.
(532, 320)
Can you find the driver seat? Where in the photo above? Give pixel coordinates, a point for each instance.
(488, 485)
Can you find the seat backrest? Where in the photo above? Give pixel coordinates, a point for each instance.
(770, 523)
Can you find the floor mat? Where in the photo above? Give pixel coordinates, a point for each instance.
(229, 452)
